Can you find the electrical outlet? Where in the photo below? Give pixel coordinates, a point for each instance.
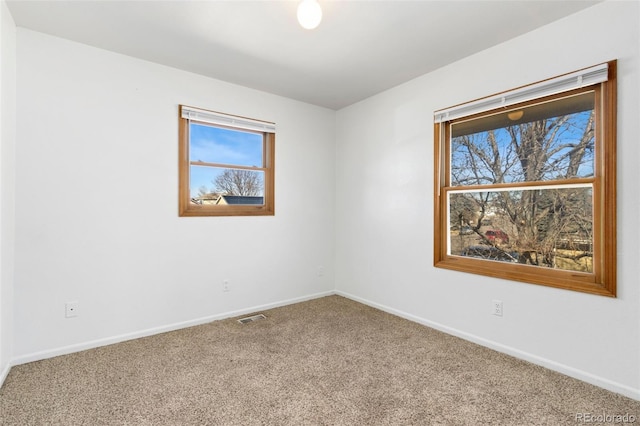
(225, 286)
(71, 309)
(496, 307)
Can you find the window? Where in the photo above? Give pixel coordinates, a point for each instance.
(525, 183)
(226, 165)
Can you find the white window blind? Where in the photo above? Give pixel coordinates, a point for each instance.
(564, 83)
(220, 119)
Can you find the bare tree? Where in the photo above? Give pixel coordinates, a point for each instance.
(202, 191)
(553, 148)
(239, 182)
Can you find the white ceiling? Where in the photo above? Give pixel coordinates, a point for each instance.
(360, 48)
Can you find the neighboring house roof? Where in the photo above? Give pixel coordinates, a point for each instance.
(240, 199)
(211, 198)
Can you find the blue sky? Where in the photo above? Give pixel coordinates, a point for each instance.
(570, 134)
(224, 146)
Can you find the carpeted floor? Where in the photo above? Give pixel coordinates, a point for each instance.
(329, 361)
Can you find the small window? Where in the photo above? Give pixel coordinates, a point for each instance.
(525, 183)
(226, 165)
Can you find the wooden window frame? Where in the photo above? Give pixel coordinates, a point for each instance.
(602, 280)
(187, 208)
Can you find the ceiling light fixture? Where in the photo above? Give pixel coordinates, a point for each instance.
(515, 115)
(309, 14)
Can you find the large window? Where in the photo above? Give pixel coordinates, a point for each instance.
(226, 165)
(525, 183)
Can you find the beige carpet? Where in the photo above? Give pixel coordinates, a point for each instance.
(329, 361)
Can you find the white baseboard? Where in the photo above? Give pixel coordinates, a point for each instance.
(552, 365)
(4, 373)
(37, 356)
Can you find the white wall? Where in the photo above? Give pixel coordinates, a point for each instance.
(97, 208)
(384, 204)
(7, 174)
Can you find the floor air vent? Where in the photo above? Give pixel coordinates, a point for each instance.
(251, 319)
